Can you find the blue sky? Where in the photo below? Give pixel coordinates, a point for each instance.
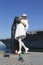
(11, 8)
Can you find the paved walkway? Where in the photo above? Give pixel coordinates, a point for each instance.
(32, 58)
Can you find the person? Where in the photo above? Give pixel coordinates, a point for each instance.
(20, 33)
(16, 21)
(15, 43)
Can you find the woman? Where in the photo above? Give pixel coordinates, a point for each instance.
(20, 33)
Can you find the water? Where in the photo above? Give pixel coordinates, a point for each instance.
(2, 48)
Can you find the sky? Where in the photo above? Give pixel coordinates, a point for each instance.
(11, 8)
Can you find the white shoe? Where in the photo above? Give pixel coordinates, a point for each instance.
(26, 50)
(19, 52)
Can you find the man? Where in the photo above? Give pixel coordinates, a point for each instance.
(15, 43)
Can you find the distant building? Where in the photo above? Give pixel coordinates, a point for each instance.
(34, 39)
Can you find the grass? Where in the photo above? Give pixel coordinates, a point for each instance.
(1, 52)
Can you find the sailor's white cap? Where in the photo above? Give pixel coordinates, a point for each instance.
(24, 15)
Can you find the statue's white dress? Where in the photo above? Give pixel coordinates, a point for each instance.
(21, 29)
